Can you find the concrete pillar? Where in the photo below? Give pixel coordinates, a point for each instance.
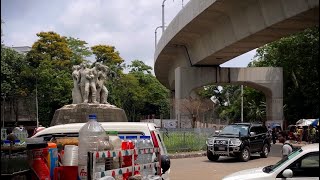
(172, 107)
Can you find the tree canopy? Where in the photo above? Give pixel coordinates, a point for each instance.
(79, 50)
(298, 55)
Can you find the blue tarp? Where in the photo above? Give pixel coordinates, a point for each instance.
(273, 125)
(315, 122)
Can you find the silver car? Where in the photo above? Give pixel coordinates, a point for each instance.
(302, 164)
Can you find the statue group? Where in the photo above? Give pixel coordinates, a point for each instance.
(89, 83)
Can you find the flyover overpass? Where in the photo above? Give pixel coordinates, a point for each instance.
(207, 33)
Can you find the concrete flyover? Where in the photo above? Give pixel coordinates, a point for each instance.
(207, 33)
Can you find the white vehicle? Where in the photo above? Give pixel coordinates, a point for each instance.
(302, 164)
(123, 129)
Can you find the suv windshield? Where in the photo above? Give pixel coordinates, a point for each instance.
(234, 129)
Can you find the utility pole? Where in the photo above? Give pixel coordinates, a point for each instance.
(155, 36)
(3, 104)
(37, 110)
(163, 16)
(241, 103)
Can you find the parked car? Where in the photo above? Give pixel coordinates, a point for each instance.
(300, 164)
(239, 140)
(123, 129)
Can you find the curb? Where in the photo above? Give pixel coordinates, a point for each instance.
(187, 155)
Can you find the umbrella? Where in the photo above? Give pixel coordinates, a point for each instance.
(315, 122)
(273, 125)
(304, 122)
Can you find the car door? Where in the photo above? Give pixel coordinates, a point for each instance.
(254, 139)
(262, 134)
(306, 167)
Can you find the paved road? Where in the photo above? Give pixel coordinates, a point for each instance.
(200, 168)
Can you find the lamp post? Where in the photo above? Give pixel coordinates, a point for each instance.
(215, 101)
(241, 103)
(37, 110)
(155, 36)
(3, 104)
(163, 26)
(163, 15)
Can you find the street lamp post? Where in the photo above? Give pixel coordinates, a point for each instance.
(3, 104)
(163, 15)
(155, 36)
(163, 26)
(241, 103)
(37, 110)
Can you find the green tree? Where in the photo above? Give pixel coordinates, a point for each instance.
(53, 47)
(79, 50)
(107, 55)
(139, 93)
(298, 55)
(13, 86)
(139, 66)
(12, 68)
(49, 72)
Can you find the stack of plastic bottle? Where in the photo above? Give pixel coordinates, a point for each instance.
(145, 142)
(129, 143)
(37, 152)
(90, 136)
(116, 143)
(106, 163)
(52, 158)
(21, 133)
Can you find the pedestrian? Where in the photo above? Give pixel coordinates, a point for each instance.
(274, 134)
(286, 148)
(300, 134)
(311, 132)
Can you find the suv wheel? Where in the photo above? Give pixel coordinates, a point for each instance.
(245, 154)
(212, 157)
(265, 151)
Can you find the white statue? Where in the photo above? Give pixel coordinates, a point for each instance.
(76, 93)
(102, 91)
(89, 83)
(84, 82)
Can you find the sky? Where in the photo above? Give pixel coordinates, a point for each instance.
(129, 25)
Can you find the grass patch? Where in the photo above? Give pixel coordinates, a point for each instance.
(184, 142)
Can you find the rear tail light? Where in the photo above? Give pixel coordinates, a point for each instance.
(154, 139)
(156, 145)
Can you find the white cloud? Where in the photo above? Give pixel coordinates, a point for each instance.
(128, 25)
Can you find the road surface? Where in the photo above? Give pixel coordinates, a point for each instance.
(200, 168)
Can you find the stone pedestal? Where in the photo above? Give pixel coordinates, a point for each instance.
(78, 113)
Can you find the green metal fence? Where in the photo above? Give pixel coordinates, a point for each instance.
(185, 140)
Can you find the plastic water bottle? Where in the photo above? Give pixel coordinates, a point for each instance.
(4, 133)
(145, 142)
(116, 143)
(90, 136)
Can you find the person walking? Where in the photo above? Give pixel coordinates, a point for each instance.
(311, 132)
(273, 134)
(286, 148)
(300, 134)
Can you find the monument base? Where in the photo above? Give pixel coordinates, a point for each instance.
(78, 113)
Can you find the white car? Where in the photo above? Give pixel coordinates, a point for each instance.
(302, 164)
(123, 129)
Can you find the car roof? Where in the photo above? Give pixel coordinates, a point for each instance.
(310, 147)
(108, 126)
(248, 124)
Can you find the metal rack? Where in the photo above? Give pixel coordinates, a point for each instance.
(93, 156)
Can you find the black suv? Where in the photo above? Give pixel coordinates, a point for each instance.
(239, 140)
